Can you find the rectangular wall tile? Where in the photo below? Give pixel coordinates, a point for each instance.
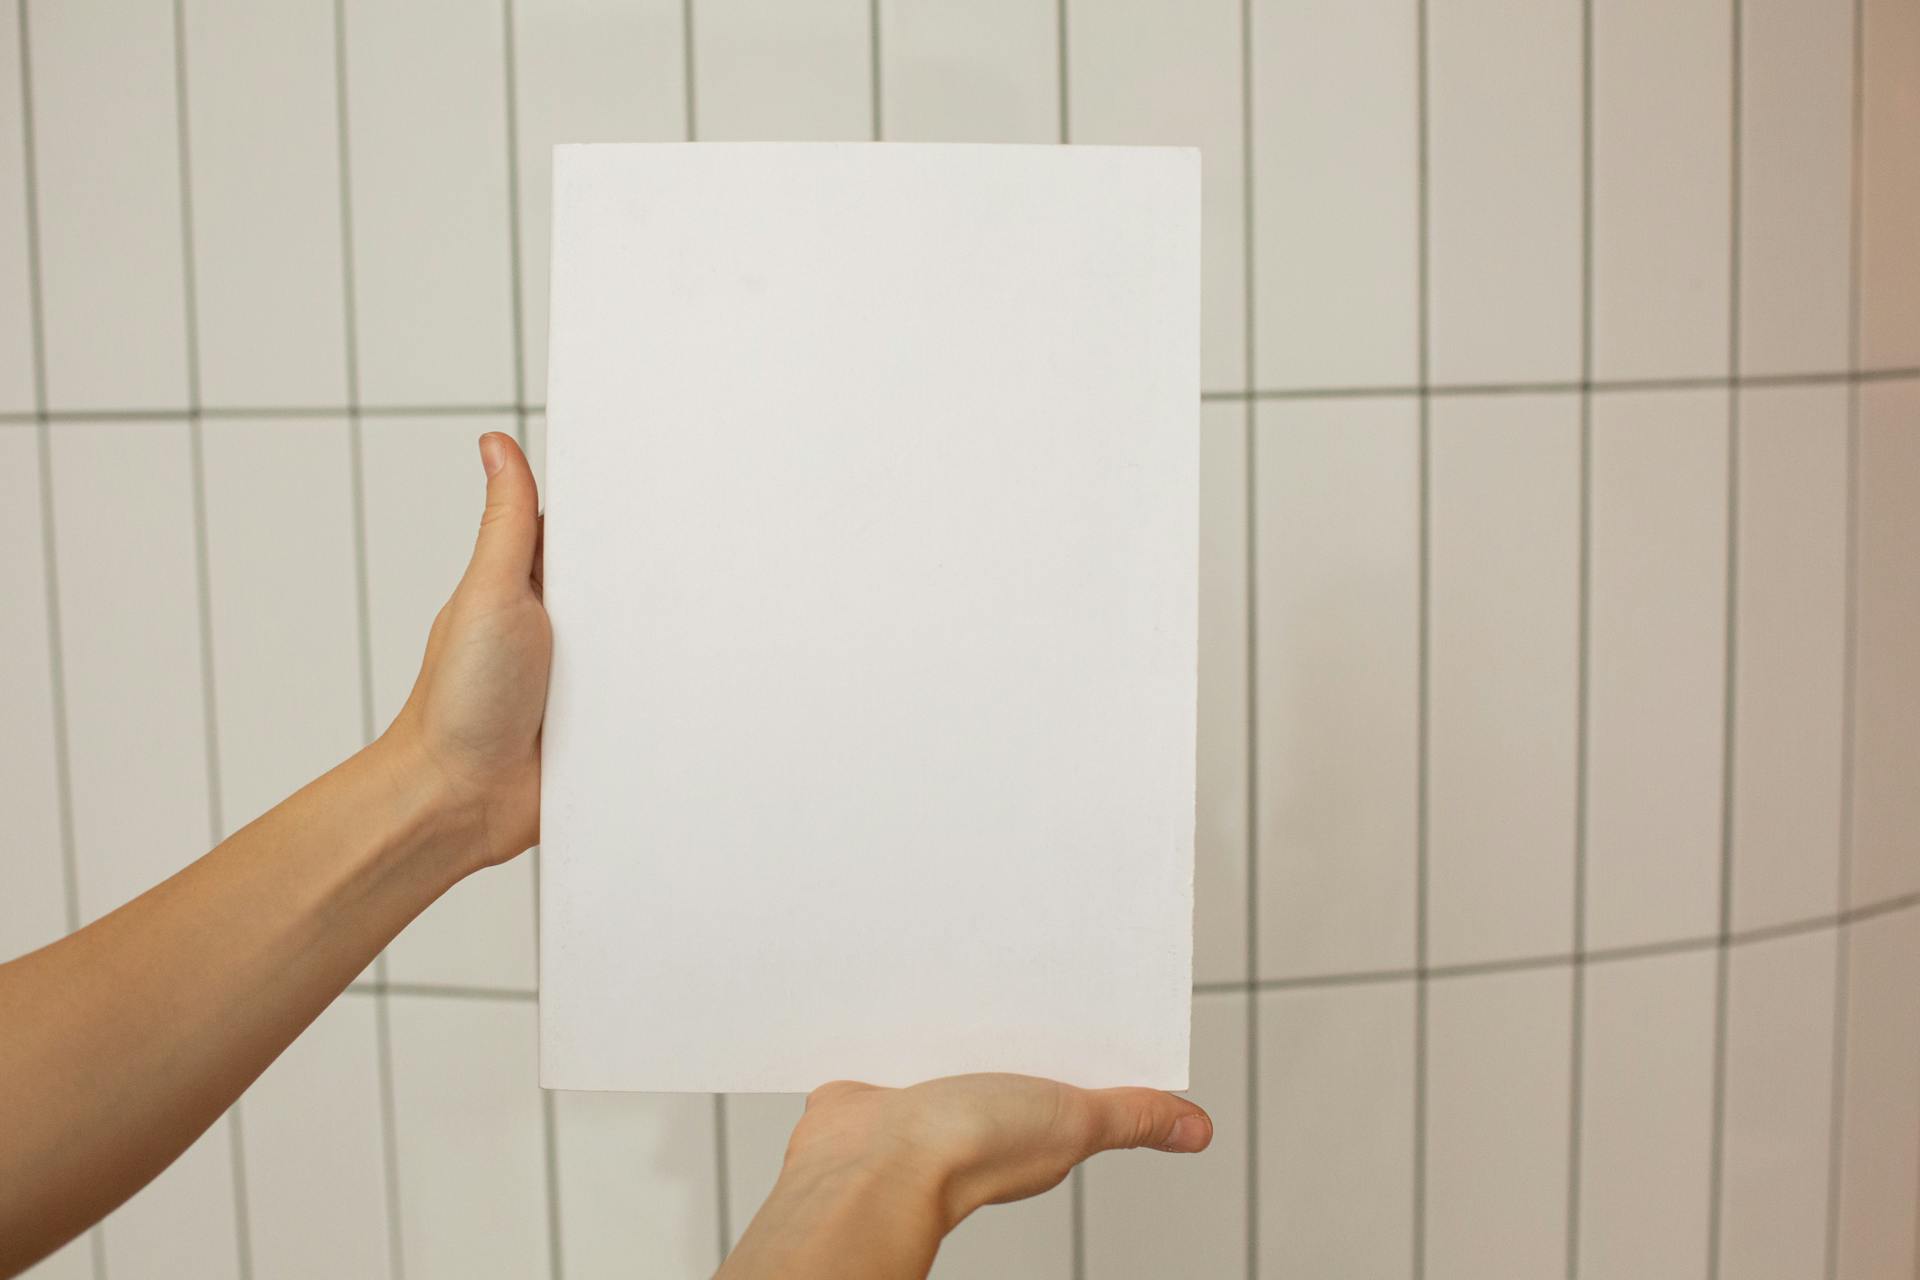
(1503, 658)
(427, 133)
(279, 503)
(33, 910)
(1886, 745)
(112, 268)
(123, 506)
(1336, 1132)
(1504, 190)
(263, 121)
(1790, 637)
(316, 1153)
(782, 70)
(424, 492)
(1336, 602)
(1656, 665)
(1661, 181)
(1168, 72)
(74, 1262)
(1779, 1091)
(1646, 1117)
(584, 71)
(473, 1194)
(1032, 1237)
(636, 1182)
(1880, 1123)
(1335, 219)
(1890, 187)
(1498, 1087)
(1221, 842)
(184, 1222)
(758, 1125)
(1796, 184)
(982, 72)
(16, 302)
(1150, 1215)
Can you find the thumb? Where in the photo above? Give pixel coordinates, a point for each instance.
(510, 526)
(1147, 1118)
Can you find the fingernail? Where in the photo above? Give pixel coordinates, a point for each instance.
(490, 455)
(1190, 1133)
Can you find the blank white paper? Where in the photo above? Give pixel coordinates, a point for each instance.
(870, 555)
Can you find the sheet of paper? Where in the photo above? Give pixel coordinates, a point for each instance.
(870, 554)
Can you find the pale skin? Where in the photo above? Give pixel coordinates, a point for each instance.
(124, 1041)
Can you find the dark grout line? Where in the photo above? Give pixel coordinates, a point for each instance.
(723, 1217)
(686, 69)
(874, 105)
(1060, 48)
(1250, 498)
(1423, 716)
(49, 552)
(1716, 1168)
(1843, 953)
(1577, 974)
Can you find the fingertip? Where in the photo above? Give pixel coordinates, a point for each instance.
(493, 454)
(1191, 1133)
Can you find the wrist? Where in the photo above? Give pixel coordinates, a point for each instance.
(428, 820)
(852, 1220)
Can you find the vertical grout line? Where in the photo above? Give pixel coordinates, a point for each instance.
(203, 577)
(723, 1219)
(686, 68)
(1423, 671)
(1250, 499)
(1577, 1012)
(873, 68)
(382, 1002)
(1716, 1169)
(49, 553)
(1060, 74)
(511, 92)
(1843, 936)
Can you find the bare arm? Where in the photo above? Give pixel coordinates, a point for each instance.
(120, 1044)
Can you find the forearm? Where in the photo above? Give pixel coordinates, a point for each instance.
(861, 1223)
(120, 1044)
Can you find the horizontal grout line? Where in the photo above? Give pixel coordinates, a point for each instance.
(1365, 977)
(1442, 390)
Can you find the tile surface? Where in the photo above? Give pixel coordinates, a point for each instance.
(1890, 186)
(1886, 746)
(279, 503)
(1498, 1081)
(263, 117)
(1646, 1117)
(473, 1193)
(315, 1147)
(1661, 187)
(136, 715)
(1221, 846)
(584, 71)
(1880, 1119)
(1504, 190)
(1796, 184)
(636, 1181)
(1336, 1131)
(33, 911)
(782, 70)
(1168, 72)
(16, 302)
(988, 71)
(1149, 1214)
(432, 248)
(108, 166)
(1336, 674)
(1779, 1089)
(1503, 657)
(1656, 665)
(1789, 644)
(1335, 222)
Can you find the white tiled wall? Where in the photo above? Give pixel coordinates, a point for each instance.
(1558, 897)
